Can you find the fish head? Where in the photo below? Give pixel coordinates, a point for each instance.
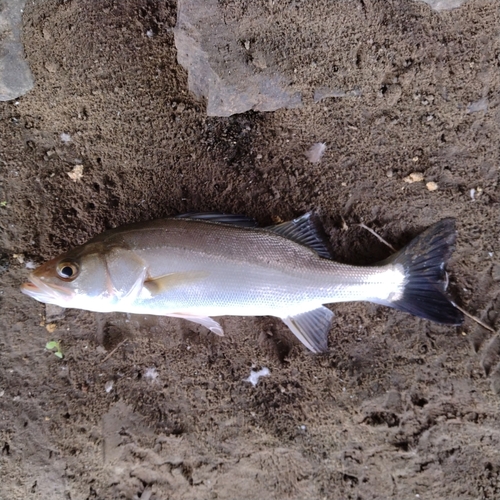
(89, 277)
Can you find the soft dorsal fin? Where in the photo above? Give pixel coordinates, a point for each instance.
(307, 231)
(232, 220)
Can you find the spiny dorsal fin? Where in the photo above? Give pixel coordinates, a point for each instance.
(305, 230)
(232, 220)
(311, 328)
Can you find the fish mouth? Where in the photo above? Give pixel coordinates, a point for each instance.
(49, 294)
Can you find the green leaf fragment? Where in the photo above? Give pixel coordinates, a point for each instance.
(53, 344)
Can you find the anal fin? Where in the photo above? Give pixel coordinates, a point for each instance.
(311, 327)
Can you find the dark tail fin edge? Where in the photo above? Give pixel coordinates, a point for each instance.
(424, 260)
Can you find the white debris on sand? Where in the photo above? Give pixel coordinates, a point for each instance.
(109, 386)
(432, 186)
(255, 375)
(475, 193)
(66, 138)
(315, 152)
(151, 373)
(476, 106)
(30, 265)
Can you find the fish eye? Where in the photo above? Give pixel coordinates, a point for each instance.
(67, 270)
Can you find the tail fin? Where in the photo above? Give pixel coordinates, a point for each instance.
(424, 260)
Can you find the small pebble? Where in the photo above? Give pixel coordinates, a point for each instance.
(77, 173)
(431, 186)
(414, 177)
(51, 327)
(19, 257)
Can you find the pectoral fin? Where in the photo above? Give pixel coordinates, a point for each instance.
(161, 284)
(311, 328)
(206, 321)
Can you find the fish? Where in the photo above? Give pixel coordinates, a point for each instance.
(197, 266)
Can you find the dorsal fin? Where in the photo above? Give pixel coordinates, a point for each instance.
(232, 220)
(307, 231)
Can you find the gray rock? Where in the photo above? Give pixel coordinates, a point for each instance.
(239, 56)
(15, 74)
(222, 68)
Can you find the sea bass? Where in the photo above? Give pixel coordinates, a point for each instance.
(200, 265)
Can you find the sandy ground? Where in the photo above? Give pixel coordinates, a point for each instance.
(399, 408)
